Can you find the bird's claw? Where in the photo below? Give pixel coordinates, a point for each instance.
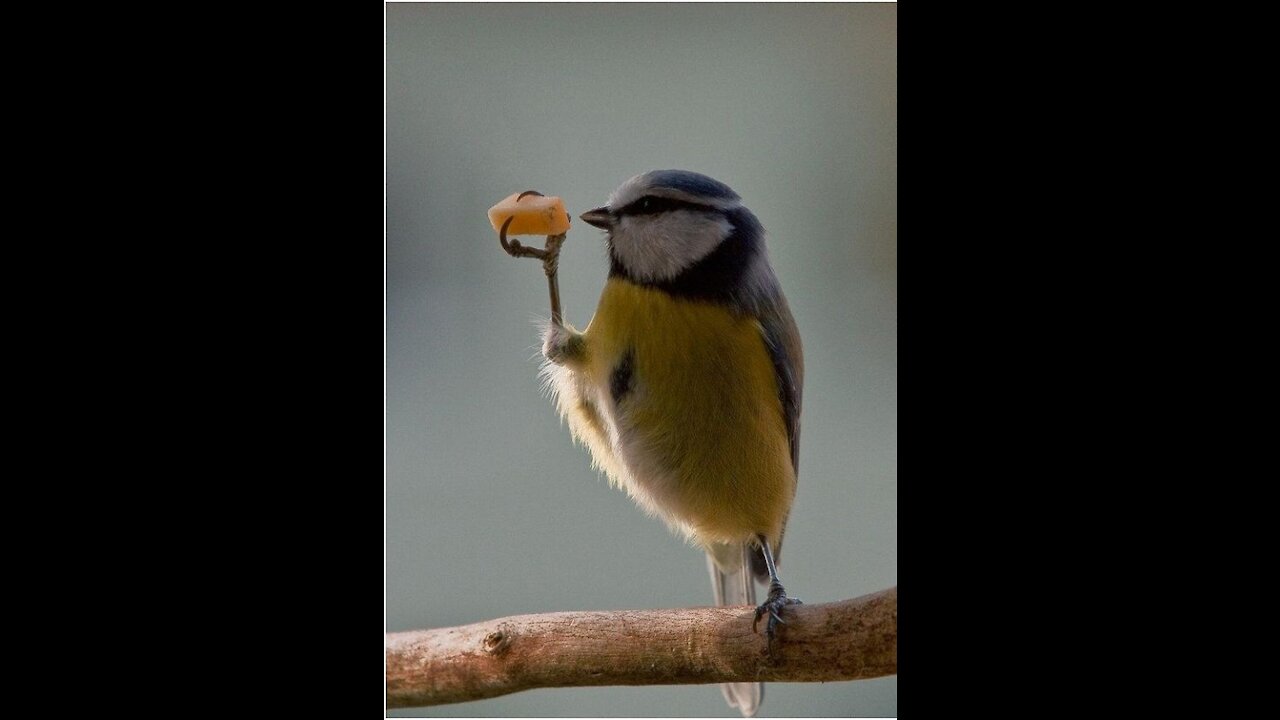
(773, 606)
(549, 255)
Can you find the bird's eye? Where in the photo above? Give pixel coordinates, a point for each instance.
(652, 205)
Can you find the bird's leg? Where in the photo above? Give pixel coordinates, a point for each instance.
(560, 344)
(549, 255)
(777, 596)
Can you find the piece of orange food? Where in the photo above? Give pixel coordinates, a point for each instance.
(534, 215)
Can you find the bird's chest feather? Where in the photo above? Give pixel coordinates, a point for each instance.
(689, 393)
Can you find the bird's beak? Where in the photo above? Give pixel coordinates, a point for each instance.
(600, 217)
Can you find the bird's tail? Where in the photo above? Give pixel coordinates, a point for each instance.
(731, 581)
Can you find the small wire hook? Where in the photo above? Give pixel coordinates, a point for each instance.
(513, 247)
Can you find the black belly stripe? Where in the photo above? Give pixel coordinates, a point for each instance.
(621, 377)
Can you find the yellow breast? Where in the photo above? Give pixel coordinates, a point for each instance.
(699, 424)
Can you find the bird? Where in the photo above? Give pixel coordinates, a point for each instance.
(686, 384)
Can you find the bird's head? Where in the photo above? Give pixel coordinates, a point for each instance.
(665, 222)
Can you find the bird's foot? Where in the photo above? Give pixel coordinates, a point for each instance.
(773, 606)
(562, 345)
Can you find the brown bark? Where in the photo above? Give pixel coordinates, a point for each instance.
(847, 640)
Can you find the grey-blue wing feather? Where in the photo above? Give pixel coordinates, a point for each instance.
(782, 338)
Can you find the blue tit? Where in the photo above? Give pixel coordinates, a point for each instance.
(686, 384)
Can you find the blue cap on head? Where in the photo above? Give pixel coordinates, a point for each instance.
(692, 183)
(680, 185)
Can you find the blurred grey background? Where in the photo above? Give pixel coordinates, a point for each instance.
(490, 508)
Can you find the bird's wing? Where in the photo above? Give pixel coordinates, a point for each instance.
(782, 339)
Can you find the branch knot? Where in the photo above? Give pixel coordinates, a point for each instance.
(496, 642)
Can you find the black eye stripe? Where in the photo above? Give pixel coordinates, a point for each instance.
(650, 205)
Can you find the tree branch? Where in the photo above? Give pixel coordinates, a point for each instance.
(847, 640)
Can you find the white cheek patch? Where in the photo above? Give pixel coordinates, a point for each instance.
(658, 247)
